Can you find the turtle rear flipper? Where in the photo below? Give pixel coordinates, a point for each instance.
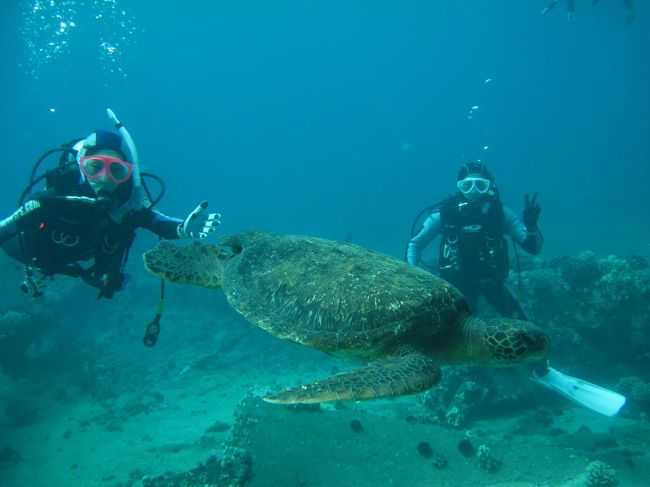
(388, 377)
(198, 264)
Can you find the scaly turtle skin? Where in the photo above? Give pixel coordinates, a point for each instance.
(401, 322)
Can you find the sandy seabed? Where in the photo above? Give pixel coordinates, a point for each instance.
(168, 409)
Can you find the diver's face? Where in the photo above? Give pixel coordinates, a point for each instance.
(104, 184)
(475, 188)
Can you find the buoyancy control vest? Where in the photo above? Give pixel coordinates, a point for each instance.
(62, 232)
(473, 246)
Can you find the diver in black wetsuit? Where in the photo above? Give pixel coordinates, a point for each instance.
(473, 251)
(570, 5)
(474, 258)
(90, 210)
(571, 9)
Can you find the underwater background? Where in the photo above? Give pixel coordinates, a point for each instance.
(341, 120)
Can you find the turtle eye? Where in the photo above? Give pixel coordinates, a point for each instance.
(532, 341)
(236, 249)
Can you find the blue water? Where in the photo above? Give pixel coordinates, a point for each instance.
(335, 119)
(346, 118)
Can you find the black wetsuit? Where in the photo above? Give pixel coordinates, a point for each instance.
(55, 235)
(473, 250)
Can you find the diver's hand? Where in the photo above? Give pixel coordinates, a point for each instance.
(197, 224)
(531, 212)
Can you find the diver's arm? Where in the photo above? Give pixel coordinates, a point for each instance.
(197, 225)
(530, 241)
(431, 228)
(162, 225)
(9, 227)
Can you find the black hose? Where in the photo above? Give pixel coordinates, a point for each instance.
(33, 180)
(146, 189)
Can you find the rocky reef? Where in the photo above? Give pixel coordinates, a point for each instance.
(597, 474)
(597, 315)
(21, 327)
(596, 310)
(232, 468)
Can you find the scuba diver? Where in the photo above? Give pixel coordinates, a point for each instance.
(570, 5)
(473, 251)
(90, 209)
(571, 9)
(474, 258)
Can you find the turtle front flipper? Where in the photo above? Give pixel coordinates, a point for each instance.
(388, 377)
(198, 264)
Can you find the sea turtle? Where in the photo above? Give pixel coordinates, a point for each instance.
(401, 322)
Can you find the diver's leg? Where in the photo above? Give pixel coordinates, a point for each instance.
(470, 290)
(631, 12)
(550, 6)
(504, 300)
(571, 9)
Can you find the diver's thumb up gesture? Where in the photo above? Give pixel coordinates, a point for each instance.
(199, 224)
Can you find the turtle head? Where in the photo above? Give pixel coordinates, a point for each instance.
(198, 264)
(506, 341)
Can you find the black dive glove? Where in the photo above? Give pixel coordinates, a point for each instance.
(531, 212)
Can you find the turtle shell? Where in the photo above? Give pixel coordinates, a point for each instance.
(335, 296)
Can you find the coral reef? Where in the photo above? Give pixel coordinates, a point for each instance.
(454, 402)
(597, 474)
(596, 313)
(440, 460)
(233, 469)
(205, 474)
(20, 328)
(637, 392)
(486, 459)
(466, 394)
(580, 273)
(595, 309)
(236, 467)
